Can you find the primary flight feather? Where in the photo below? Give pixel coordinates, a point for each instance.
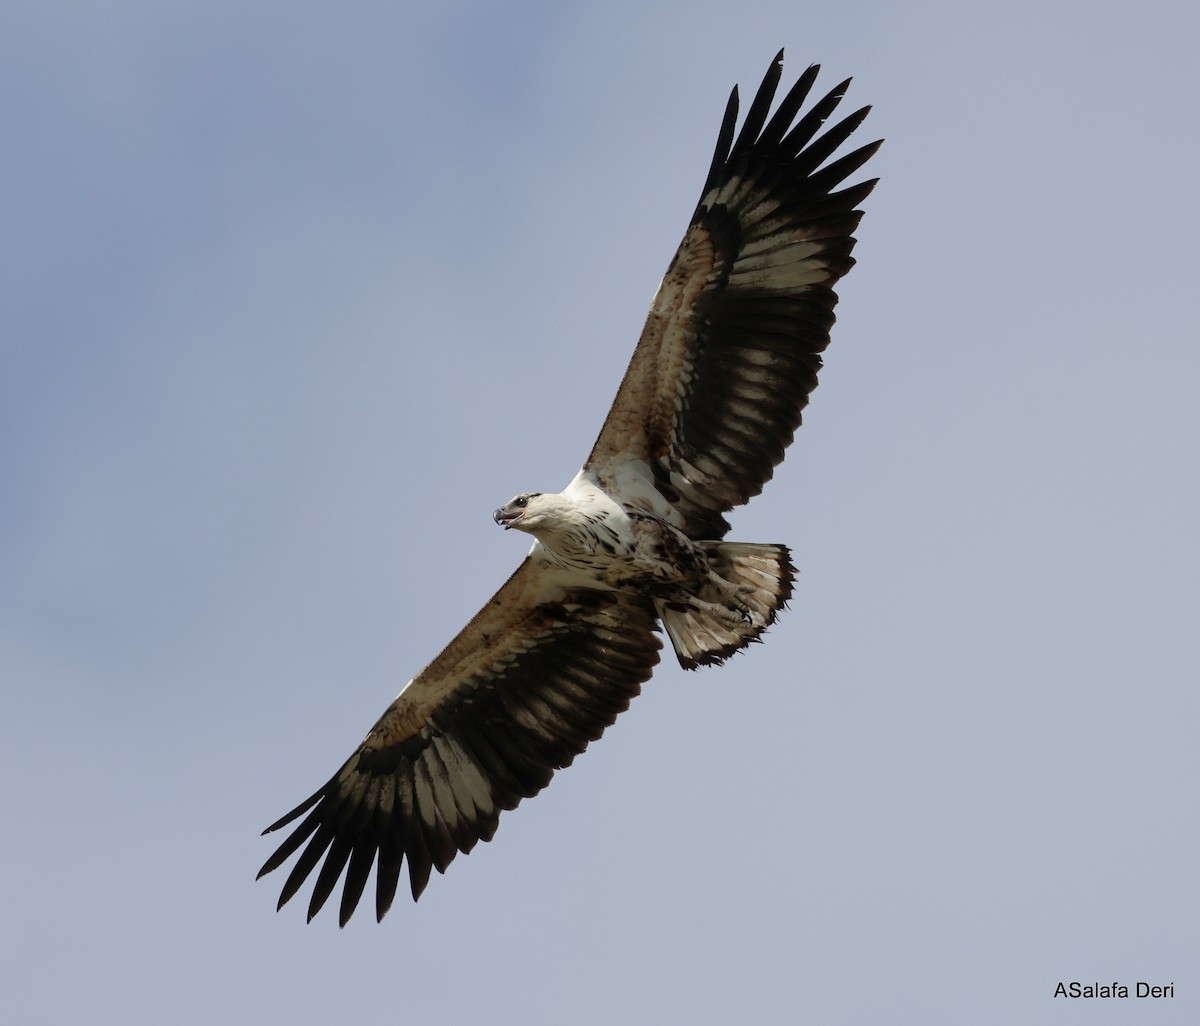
(708, 404)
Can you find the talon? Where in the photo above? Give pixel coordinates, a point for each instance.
(739, 615)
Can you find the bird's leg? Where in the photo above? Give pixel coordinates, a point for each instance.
(730, 598)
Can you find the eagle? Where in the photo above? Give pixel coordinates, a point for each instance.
(709, 402)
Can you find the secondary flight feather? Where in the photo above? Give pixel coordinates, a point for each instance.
(710, 401)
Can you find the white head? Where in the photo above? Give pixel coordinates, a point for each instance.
(534, 513)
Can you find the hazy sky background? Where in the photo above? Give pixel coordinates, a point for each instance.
(293, 295)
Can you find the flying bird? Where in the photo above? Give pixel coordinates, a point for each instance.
(710, 400)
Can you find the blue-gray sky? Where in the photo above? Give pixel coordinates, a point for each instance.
(293, 295)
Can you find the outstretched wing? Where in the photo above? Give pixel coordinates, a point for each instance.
(538, 673)
(731, 347)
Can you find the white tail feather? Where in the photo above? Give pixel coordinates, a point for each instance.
(750, 583)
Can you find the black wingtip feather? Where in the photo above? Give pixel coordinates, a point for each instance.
(387, 877)
(789, 107)
(306, 863)
(724, 141)
(808, 126)
(420, 865)
(829, 177)
(331, 870)
(823, 147)
(292, 843)
(357, 874)
(756, 116)
(298, 811)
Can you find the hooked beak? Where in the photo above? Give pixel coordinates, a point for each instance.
(506, 516)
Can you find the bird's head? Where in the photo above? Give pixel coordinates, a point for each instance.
(527, 512)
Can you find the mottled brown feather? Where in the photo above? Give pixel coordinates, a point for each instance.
(536, 676)
(748, 298)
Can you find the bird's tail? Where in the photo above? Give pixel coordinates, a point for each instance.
(748, 586)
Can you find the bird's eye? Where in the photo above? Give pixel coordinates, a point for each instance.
(521, 502)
